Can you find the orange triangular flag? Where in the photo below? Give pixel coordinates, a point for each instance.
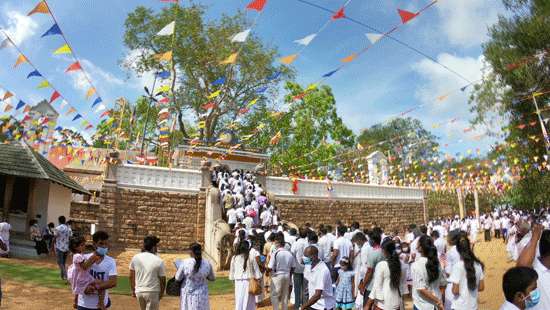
(230, 60)
(27, 109)
(164, 56)
(406, 16)
(90, 92)
(287, 60)
(8, 107)
(350, 58)
(7, 95)
(339, 14)
(71, 110)
(21, 59)
(41, 7)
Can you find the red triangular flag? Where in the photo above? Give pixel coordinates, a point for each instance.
(406, 16)
(75, 66)
(105, 114)
(339, 14)
(257, 5)
(164, 100)
(208, 106)
(54, 96)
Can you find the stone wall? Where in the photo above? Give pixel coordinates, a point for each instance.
(390, 214)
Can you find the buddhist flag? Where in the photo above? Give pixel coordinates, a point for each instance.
(350, 58)
(219, 81)
(41, 7)
(274, 76)
(104, 114)
(20, 104)
(306, 40)
(257, 5)
(214, 94)
(230, 60)
(374, 37)
(163, 89)
(287, 60)
(329, 74)
(77, 116)
(101, 107)
(201, 124)
(90, 92)
(21, 59)
(54, 30)
(44, 84)
(406, 16)
(252, 102)
(164, 56)
(74, 67)
(208, 106)
(276, 138)
(54, 96)
(168, 30)
(34, 73)
(241, 36)
(96, 101)
(7, 95)
(8, 107)
(63, 104)
(65, 49)
(339, 14)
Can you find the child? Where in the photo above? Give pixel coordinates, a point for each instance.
(404, 257)
(345, 286)
(78, 274)
(520, 289)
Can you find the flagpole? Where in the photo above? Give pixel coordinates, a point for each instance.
(147, 115)
(543, 128)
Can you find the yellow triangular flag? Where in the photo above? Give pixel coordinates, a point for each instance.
(230, 60)
(202, 124)
(214, 94)
(165, 88)
(21, 59)
(44, 84)
(311, 87)
(65, 49)
(164, 56)
(90, 92)
(287, 60)
(252, 102)
(350, 58)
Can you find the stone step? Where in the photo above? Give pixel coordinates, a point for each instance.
(22, 251)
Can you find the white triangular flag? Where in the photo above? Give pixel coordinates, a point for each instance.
(168, 30)
(374, 37)
(101, 107)
(241, 36)
(63, 104)
(306, 40)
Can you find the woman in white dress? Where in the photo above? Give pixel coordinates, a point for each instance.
(243, 268)
(195, 273)
(428, 277)
(466, 278)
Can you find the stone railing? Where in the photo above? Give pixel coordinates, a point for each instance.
(157, 178)
(282, 187)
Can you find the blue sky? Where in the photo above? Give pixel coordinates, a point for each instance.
(383, 82)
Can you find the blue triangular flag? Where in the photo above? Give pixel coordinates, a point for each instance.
(464, 87)
(96, 101)
(58, 128)
(163, 74)
(34, 73)
(274, 76)
(52, 31)
(219, 81)
(261, 90)
(77, 117)
(20, 105)
(330, 73)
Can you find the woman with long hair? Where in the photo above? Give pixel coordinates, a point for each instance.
(428, 277)
(195, 272)
(466, 277)
(243, 269)
(389, 281)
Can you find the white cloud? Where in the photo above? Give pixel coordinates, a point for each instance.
(100, 77)
(138, 81)
(465, 22)
(18, 26)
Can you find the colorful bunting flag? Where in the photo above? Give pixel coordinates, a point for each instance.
(20, 104)
(214, 94)
(65, 49)
(219, 81)
(54, 30)
(287, 60)
(34, 73)
(276, 138)
(374, 37)
(163, 89)
(201, 124)
(274, 76)
(406, 16)
(63, 104)
(230, 60)
(77, 116)
(7, 95)
(261, 90)
(350, 58)
(257, 5)
(74, 67)
(8, 107)
(104, 114)
(164, 56)
(306, 40)
(241, 36)
(330, 73)
(21, 59)
(163, 74)
(168, 30)
(252, 102)
(96, 101)
(339, 14)
(101, 107)
(54, 96)
(90, 92)
(43, 84)
(208, 105)
(41, 7)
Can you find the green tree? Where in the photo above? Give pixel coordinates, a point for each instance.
(198, 48)
(518, 66)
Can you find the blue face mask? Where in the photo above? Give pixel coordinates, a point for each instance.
(533, 299)
(307, 260)
(101, 251)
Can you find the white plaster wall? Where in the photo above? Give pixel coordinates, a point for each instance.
(41, 196)
(59, 202)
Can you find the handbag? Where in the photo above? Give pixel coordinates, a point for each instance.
(254, 286)
(173, 287)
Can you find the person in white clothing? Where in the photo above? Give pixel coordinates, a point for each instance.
(325, 244)
(243, 269)
(148, 275)
(321, 294)
(520, 289)
(281, 266)
(5, 228)
(427, 277)
(341, 248)
(466, 278)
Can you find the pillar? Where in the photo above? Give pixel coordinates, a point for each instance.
(106, 215)
(424, 207)
(206, 180)
(460, 202)
(8, 194)
(31, 206)
(476, 201)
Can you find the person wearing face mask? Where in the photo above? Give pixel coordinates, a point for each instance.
(104, 269)
(520, 289)
(316, 272)
(148, 275)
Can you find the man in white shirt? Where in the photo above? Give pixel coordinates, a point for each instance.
(487, 226)
(266, 218)
(232, 218)
(297, 250)
(321, 294)
(103, 270)
(148, 275)
(62, 233)
(341, 248)
(520, 286)
(281, 266)
(325, 243)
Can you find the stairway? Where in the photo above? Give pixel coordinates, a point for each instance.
(22, 248)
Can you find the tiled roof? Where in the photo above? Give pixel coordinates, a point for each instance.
(20, 160)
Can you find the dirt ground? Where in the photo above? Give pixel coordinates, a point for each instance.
(25, 296)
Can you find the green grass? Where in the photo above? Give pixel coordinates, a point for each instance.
(49, 277)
